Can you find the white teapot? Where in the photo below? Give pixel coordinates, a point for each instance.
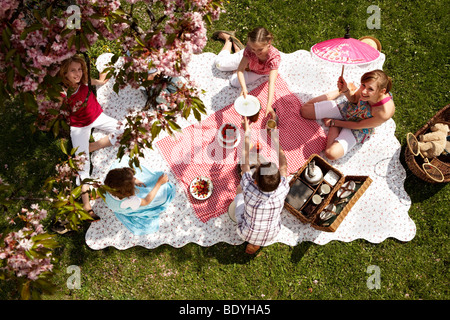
(313, 174)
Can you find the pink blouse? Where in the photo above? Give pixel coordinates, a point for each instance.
(263, 67)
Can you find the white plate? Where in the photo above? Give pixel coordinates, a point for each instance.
(230, 146)
(325, 215)
(197, 179)
(222, 141)
(247, 107)
(345, 193)
(221, 128)
(232, 211)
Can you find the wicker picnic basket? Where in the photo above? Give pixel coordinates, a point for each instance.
(365, 182)
(313, 218)
(323, 164)
(441, 162)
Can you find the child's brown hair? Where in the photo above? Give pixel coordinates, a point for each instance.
(121, 180)
(259, 34)
(267, 176)
(65, 68)
(382, 80)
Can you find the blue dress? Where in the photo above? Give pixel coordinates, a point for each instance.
(145, 219)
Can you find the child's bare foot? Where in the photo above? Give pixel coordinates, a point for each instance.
(224, 36)
(85, 197)
(228, 38)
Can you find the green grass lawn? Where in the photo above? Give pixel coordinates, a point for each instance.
(414, 36)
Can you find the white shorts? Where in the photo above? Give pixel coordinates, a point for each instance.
(227, 61)
(329, 109)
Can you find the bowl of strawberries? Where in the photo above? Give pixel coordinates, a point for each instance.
(229, 135)
(201, 188)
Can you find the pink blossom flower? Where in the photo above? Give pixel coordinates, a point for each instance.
(17, 243)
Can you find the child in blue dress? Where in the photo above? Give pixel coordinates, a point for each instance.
(138, 199)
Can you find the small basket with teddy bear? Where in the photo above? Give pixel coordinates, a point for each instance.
(428, 151)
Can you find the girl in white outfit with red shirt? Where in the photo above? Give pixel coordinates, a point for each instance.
(85, 113)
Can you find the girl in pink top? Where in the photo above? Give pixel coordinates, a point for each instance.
(258, 59)
(352, 115)
(85, 113)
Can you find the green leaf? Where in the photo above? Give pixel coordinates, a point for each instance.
(116, 87)
(25, 291)
(6, 39)
(70, 42)
(55, 129)
(91, 26)
(138, 40)
(46, 286)
(76, 192)
(33, 27)
(49, 12)
(37, 15)
(84, 215)
(208, 19)
(42, 236)
(59, 204)
(186, 112)
(119, 11)
(73, 151)
(197, 114)
(77, 42)
(97, 16)
(174, 125)
(10, 77)
(63, 145)
(10, 54)
(29, 101)
(85, 40)
(156, 129)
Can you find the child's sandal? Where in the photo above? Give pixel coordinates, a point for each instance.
(60, 227)
(215, 35)
(238, 43)
(93, 215)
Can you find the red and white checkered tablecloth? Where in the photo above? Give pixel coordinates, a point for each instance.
(195, 151)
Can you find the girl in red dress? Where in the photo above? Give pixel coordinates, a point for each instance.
(85, 113)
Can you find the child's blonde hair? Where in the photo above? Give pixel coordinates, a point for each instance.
(259, 34)
(65, 68)
(121, 180)
(381, 79)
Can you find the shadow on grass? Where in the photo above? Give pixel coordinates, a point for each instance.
(418, 189)
(299, 251)
(27, 158)
(78, 253)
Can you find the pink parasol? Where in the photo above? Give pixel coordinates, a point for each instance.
(345, 50)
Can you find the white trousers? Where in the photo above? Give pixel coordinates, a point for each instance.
(226, 61)
(80, 138)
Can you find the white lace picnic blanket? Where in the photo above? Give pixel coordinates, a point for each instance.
(380, 213)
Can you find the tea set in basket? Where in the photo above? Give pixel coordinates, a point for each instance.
(321, 195)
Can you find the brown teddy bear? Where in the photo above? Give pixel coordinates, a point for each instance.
(432, 144)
